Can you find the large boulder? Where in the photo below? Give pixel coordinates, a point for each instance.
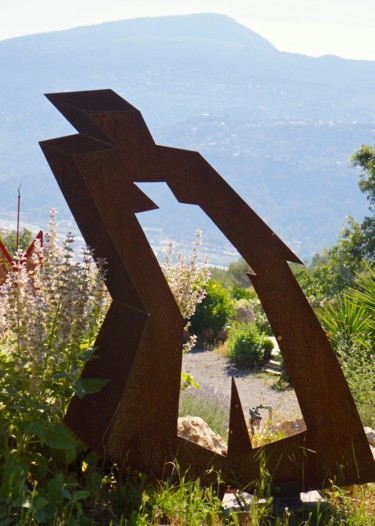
(196, 430)
(246, 316)
(370, 433)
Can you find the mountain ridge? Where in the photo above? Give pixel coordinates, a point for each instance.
(279, 127)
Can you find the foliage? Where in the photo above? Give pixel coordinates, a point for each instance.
(24, 241)
(332, 271)
(188, 381)
(345, 324)
(364, 158)
(237, 272)
(261, 320)
(214, 313)
(238, 293)
(357, 240)
(235, 276)
(49, 318)
(363, 295)
(354, 505)
(187, 281)
(350, 327)
(180, 502)
(324, 278)
(283, 382)
(209, 405)
(247, 345)
(48, 322)
(220, 274)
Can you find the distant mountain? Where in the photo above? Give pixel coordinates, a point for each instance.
(279, 127)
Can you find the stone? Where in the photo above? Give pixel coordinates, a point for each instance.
(196, 430)
(291, 427)
(246, 316)
(237, 502)
(370, 433)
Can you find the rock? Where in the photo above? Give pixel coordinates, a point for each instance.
(246, 316)
(208, 334)
(196, 430)
(236, 502)
(222, 335)
(291, 427)
(370, 433)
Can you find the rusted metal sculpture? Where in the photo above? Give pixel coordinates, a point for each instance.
(134, 418)
(8, 265)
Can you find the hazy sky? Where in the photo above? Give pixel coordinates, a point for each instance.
(312, 27)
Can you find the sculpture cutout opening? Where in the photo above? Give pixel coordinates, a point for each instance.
(134, 418)
(160, 225)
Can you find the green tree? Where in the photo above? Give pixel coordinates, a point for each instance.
(358, 239)
(24, 241)
(214, 313)
(323, 278)
(237, 272)
(334, 270)
(364, 158)
(233, 276)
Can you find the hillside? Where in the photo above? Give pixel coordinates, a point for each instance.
(278, 126)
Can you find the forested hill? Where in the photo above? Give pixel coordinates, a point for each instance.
(278, 126)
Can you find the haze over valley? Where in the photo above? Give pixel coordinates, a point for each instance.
(279, 127)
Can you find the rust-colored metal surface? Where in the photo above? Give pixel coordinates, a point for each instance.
(7, 264)
(134, 418)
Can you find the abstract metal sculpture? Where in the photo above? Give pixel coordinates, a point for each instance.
(8, 265)
(134, 418)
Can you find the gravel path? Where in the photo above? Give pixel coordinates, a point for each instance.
(214, 370)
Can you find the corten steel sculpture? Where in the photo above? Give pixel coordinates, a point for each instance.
(7, 264)
(134, 418)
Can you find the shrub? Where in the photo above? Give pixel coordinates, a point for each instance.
(49, 317)
(214, 313)
(239, 293)
(247, 345)
(346, 325)
(350, 329)
(284, 381)
(187, 281)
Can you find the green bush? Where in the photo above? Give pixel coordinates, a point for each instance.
(247, 345)
(239, 293)
(49, 317)
(214, 313)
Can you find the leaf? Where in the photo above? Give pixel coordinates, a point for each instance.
(94, 482)
(188, 381)
(58, 436)
(38, 504)
(87, 386)
(59, 375)
(55, 488)
(80, 495)
(55, 435)
(41, 467)
(38, 429)
(14, 475)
